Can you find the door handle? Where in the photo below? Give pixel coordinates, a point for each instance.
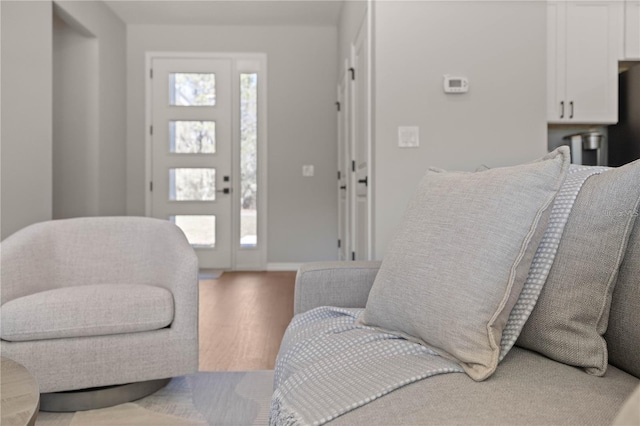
(561, 109)
(224, 190)
(365, 181)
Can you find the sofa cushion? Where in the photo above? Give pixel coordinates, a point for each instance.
(527, 389)
(90, 310)
(450, 276)
(572, 312)
(630, 412)
(623, 334)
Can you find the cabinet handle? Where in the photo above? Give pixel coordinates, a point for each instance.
(561, 109)
(571, 113)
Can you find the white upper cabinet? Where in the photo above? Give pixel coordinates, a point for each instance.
(583, 48)
(632, 29)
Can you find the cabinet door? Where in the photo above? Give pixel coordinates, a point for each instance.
(632, 29)
(556, 63)
(591, 62)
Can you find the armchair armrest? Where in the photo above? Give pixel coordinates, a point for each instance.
(342, 284)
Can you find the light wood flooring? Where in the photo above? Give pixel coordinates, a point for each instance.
(243, 316)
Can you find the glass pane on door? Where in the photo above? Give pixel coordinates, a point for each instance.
(248, 160)
(191, 184)
(192, 137)
(191, 89)
(200, 230)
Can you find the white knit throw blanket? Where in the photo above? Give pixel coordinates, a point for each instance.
(328, 365)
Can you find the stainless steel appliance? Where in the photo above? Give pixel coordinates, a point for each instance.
(624, 137)
(587, 148)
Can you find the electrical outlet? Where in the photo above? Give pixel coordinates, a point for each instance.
(307, 170)
(408, 137)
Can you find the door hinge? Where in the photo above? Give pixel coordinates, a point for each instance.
(151, 186)
(151, 73)
(339, 243)
(353, 165)
(151, 130)
(338, 106)
(353, 73)
(353, 255)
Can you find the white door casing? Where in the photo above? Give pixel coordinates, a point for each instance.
(344, 169)
(360, 147)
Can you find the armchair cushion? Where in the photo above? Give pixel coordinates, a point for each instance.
(90, 310)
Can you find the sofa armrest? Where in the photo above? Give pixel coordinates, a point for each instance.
(342, 284)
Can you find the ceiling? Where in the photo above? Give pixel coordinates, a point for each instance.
(228, 12)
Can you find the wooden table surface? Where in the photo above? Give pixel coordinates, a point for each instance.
(20, 395)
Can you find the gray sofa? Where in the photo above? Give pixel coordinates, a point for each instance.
(576, 358)
(527, 388)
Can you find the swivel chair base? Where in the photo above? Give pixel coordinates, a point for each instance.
(101, 397)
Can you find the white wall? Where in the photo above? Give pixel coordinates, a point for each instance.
(302, 63)
(89, 160)
(75, 122)
(500, 47)
(26, 114)
(352, 16)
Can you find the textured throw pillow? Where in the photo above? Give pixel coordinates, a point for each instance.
(572, 312)
(451, 274)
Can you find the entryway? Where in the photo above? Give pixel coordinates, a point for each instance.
(205, 153)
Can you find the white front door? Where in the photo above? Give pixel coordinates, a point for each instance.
(191, 144)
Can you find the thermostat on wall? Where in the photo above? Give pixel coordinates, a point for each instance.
(455, 84)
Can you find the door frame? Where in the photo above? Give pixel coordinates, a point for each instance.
(365, 33)
(371, 134)
(344, 159)
(242, 258)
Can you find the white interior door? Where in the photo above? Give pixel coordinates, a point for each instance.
(360, 149)
(191, 141)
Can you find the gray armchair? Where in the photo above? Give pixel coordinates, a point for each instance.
(93, 302)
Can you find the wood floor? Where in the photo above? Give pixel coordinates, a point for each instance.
(243, 316)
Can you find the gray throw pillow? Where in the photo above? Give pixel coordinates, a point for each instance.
(457, 264)
(572, 312)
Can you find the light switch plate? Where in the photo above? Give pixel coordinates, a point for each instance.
(308, 170)
(408, 136)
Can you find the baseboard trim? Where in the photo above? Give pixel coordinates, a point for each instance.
(283, 266)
